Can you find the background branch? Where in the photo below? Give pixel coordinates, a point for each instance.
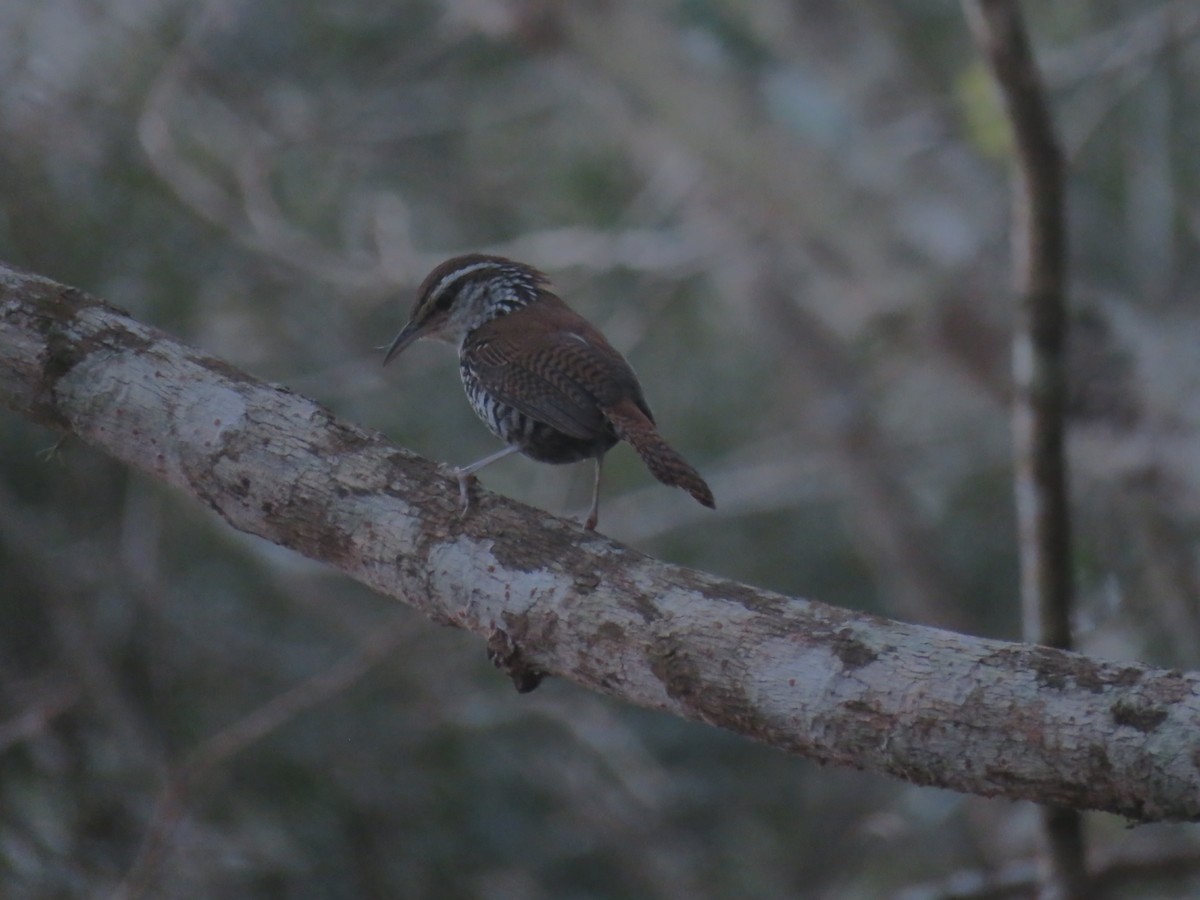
(1040, 375)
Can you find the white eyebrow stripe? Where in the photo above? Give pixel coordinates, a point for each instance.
(457, 275)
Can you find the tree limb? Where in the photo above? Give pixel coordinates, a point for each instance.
(931, 707)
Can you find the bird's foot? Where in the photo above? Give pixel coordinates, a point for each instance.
(593, 513)
(465, 481)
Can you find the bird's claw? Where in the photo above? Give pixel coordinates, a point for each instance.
(465, 480)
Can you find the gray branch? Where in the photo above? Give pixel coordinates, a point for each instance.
(932, 707)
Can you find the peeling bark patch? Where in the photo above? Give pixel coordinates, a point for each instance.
(703, 699)
(1061, 670)
(80, 300)
(678, 674)
(62, 355)
(65, 350)
(732, 592)
(519, 555)
(1052, 668)
(586, 582)
(334, 545)
(1139, 716)
(1170, 687)
(861, 707)
(336, 437)
(520, 627)
(510, 547)
(1099, 758)
(1097, 677)
(853, 653)
(1056, 669)
(610, 631)
(116, 337)
(644, 607)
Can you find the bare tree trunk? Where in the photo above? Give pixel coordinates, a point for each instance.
(931, 707)
(1039, 372)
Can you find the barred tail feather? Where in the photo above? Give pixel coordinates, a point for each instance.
(663, 461)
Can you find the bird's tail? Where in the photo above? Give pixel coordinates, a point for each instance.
(663, 461)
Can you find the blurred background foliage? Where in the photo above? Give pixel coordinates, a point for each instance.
(791, 216)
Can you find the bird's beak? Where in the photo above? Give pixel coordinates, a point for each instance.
(407, 335)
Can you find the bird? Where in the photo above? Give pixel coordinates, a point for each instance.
(541, 377)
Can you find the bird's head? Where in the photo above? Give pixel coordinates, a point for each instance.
(463, 293)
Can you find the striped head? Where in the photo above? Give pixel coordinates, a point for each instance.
(463, 293)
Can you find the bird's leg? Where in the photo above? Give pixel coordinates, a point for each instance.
(464, 474)
(593, 516)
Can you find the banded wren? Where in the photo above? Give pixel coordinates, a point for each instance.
(539, 375)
